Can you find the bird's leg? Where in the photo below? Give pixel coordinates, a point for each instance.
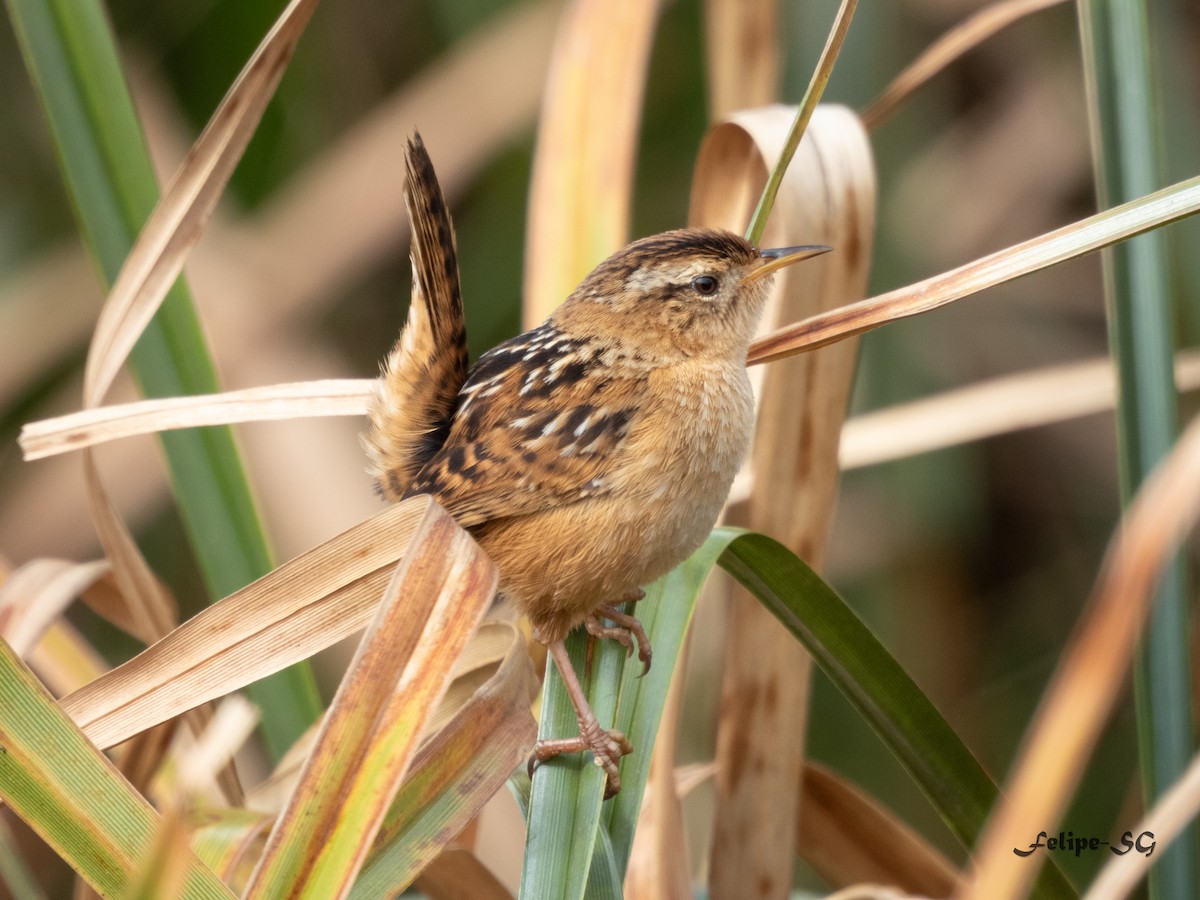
(607, 746)
(626, 629)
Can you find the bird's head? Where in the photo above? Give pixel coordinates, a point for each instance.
(693, 292)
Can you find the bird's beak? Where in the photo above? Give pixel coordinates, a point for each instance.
(784, 256)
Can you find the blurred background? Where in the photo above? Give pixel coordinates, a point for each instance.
(972, 562)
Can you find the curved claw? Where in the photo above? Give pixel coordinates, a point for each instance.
(607, 746)
(625, 630)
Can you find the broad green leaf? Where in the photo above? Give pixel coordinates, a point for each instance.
(876, 685)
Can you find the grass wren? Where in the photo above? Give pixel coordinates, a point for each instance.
(589, 455)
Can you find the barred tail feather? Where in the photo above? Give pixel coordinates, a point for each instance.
(418, 388)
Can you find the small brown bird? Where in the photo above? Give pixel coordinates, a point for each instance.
(591, 454)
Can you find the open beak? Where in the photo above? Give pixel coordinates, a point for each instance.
(784, 256)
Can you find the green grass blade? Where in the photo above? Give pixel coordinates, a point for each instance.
(1127, 150)
(71, 793)
(565, 802)
(665, 613)
(875, 684)
(70, 53)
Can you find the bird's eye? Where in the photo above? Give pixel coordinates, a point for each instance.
(705, 284)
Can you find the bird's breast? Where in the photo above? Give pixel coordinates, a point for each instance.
(685, 453)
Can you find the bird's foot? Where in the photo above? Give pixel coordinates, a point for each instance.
(626, 630)
(607, 746)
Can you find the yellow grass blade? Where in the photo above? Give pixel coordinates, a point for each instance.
(370, 733)
(958, 41)
(586, 145)
(849, 838)
(741, 42)
(331, 397)
(64, 660)
(827, 197)
(1101, 230)
(299, 608)
(480, 733)
(175, 225)
(1090, 673)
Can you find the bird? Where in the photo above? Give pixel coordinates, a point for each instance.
(592, 454)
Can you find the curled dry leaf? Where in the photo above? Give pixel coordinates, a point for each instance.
(301, 607)
(1101, 230)
(1085, 685)
(827, 197)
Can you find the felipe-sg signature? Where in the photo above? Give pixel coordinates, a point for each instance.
(1067, 842)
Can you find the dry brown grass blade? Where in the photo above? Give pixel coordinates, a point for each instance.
(848, 838)
(301, 607)
(989, 408)
(1173, 812)
(372, 729)
(148, 599)
(86, 428)
(586, 145)
(174, 227)
(106, 600)
(1090, 234)
(34, 596)
(742, 48)
(1086, 684)
(827, 197)
(956, 42)
(195, 763)
(458, 873)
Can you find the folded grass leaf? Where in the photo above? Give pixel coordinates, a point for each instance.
(482, 738)
(368, 738)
